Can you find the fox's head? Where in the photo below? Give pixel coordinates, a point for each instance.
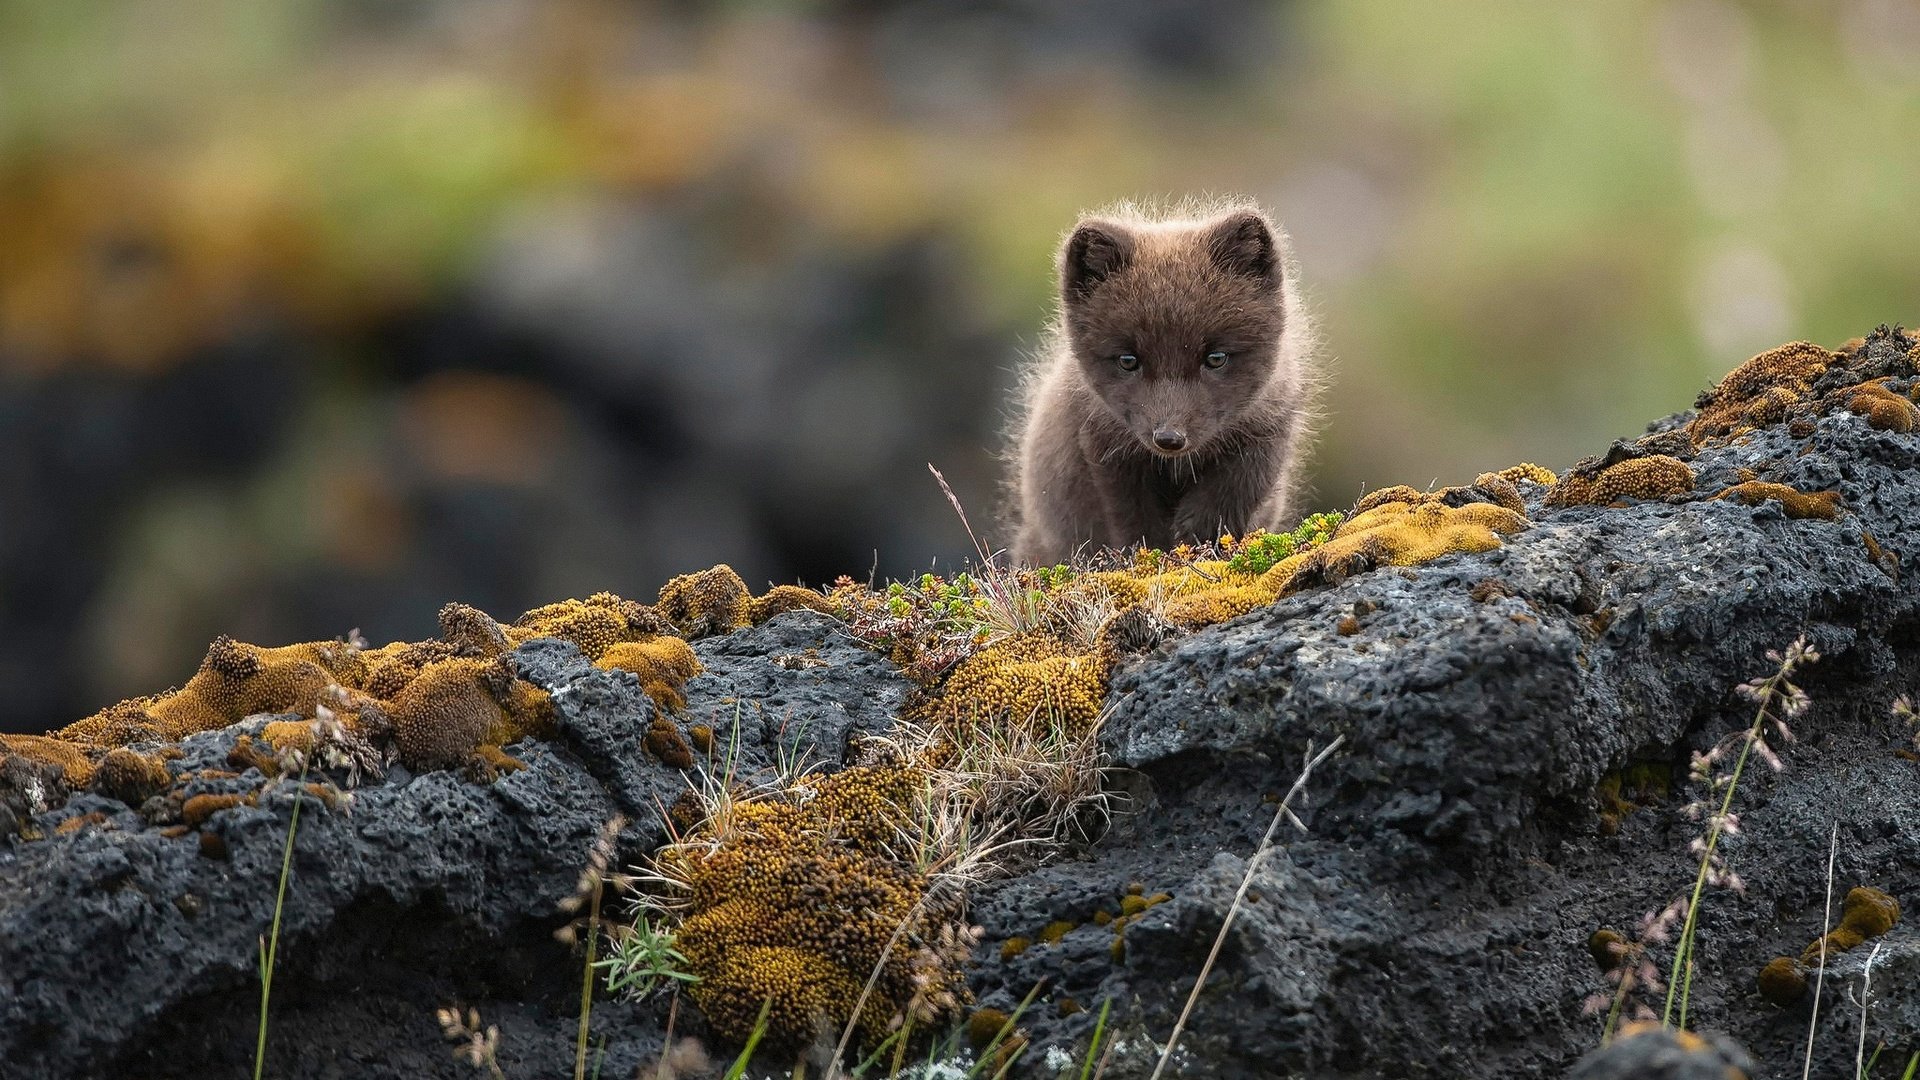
(1176, 324)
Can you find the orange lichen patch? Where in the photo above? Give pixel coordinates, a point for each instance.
(1594, 483)
(713, 601)
(489, 762)
(795, 899)
(1822, 505)
(201, 807)
(1760, 391)
(246, 754)
(131, 777)
(74, 761)
(664, 741)
(663, 664)
(784, 598)
(80, 821)
(596, 624)
(455, 707)
(1883, 408)
(701, 736)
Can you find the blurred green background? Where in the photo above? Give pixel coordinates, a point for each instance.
(315, 314)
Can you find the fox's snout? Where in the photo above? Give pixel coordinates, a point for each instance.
(1170, 440)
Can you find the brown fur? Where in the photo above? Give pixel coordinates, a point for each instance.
(1166, 289)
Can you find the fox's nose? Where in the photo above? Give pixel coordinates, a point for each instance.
(1169, 438)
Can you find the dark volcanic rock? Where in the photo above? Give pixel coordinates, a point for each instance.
(127, 953)
(1434, 921)
(1518, 726)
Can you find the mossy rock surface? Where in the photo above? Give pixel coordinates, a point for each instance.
(1434, 920)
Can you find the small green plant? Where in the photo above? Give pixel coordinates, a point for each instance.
(587, 893)
(1261, 551)
(1778, 700)
(1087, 1071)
(643, 961)
(270, 946)
(739, 1066)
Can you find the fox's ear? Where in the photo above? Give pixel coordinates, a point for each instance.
(1242, 243)
(1096, 251)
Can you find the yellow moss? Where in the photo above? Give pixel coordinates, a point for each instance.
(237, 680)
(664, 741)
(986, 1025)
(1883, 408)
(1865, 913)
(785, 598)
(595, 624)
(797, 898)
(288, 735)
(1014, 946)
(1054, 931)
(1528, 472)
(1869, 912)
(116, 725)
(80, 821)
(1028, 676)
(1822, 505)
(75, 763)
(710, 602)
(453, 708)
(131, 777)
(1783, 981)
(1652, 477)
(1068, 1007)
(663, 663)
(391, 667)
(1760, 391)
(701, 736)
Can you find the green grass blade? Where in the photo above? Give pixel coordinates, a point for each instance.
(272, 950)
(1093, 1048)
(739, 1066)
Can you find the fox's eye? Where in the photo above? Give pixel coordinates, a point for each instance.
(1127, 362)
(1216, 360)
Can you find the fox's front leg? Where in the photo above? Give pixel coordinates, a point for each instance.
(1227, 498)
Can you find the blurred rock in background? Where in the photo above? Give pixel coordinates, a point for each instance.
(315, 314)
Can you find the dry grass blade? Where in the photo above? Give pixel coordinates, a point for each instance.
(1284, 813)
(1820, 980)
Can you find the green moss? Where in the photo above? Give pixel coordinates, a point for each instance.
(1261, 551)
(1054, 931)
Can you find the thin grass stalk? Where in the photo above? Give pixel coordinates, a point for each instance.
(1099, 1028)
(271, 953)
(1683, 953)
(1820, 980)
(586, 983)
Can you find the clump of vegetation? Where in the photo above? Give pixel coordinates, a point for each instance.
(1820, 505)
(1604, 481)
(1261, 551)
